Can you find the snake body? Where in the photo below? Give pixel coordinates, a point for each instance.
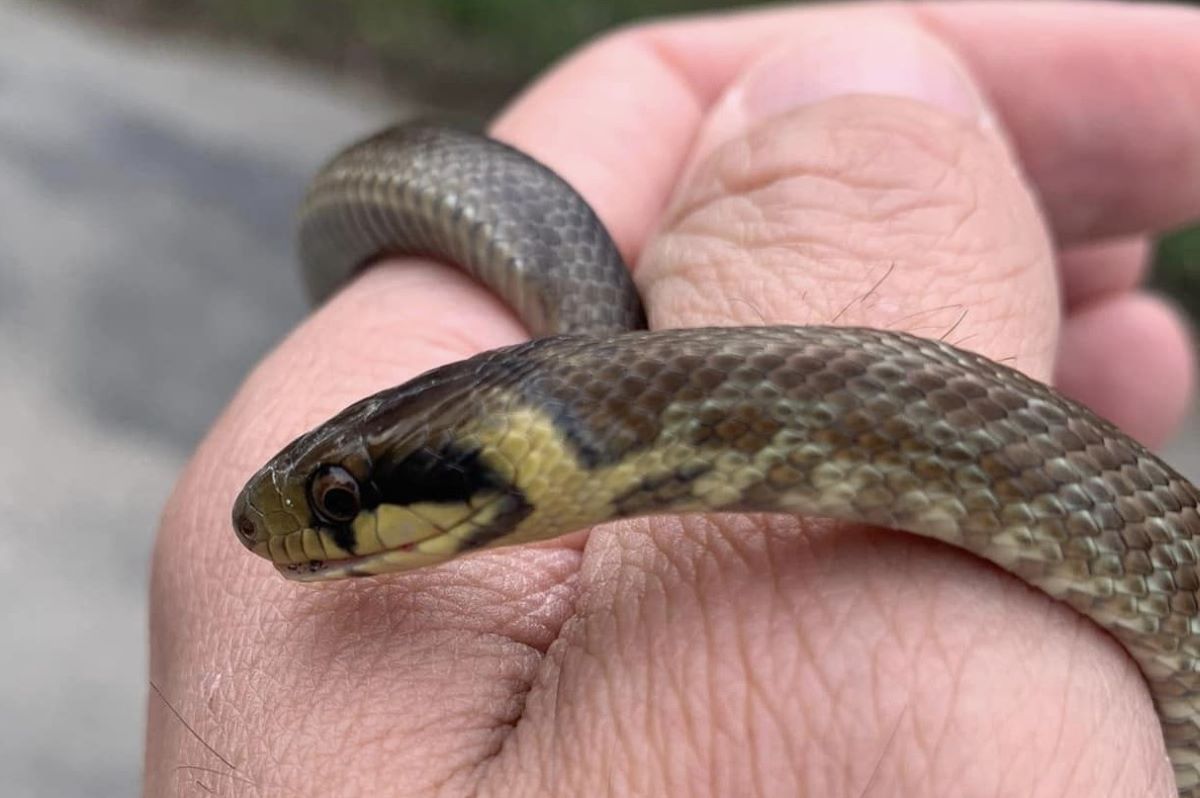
(598, 420)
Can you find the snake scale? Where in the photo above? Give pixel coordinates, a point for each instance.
(597, 419)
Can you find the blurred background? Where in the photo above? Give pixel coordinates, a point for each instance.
(152, 153)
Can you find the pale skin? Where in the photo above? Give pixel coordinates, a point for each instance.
(792, 166)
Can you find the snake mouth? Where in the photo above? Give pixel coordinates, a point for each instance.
(319, 570)
(383, 562)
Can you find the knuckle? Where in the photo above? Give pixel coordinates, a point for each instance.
(841, 189)
(888, 164)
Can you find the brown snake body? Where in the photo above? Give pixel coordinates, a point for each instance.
(547, 437)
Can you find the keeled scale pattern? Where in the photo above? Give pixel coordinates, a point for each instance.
(900, 432)
(856, 424)
(422, 189)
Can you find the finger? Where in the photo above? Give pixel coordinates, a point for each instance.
(1092, 272)
(1124, 353)
(858, 206)
(1103, 100)
(855, 207)
(1131, 355)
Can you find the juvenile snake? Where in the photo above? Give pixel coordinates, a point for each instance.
(602, 421)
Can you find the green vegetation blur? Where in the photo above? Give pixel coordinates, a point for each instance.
(1176, 271)
(456, 51)
(468, 56)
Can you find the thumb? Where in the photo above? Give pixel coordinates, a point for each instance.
(855, 175)
(889, 59)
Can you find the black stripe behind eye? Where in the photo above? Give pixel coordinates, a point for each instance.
(449, 476)
(343, 535)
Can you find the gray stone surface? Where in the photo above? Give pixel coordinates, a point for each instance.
(146, 195)
(1184, 451)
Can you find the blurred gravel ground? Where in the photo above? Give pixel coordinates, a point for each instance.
(1184, 451)
(146, 196)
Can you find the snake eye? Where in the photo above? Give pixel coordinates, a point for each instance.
(334, 495)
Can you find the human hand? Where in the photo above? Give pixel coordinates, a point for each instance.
(791, 166)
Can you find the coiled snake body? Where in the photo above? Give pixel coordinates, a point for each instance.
(601, 421)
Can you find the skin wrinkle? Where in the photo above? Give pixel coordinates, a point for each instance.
(722, 732)
(1056, 752)
(832, 610)
(919, 640)
(703, 273)
(818, 673)
(753, 694)
(557, 716)
(791, 739)
(698, 746)
(1011, 718)
(468, 711)
(870, 136)
(690, 219)
(662, 684)
(678, 567)
(904, 137)
(510, 599)
(692, 724)
(611, 671)
(730, 172)
(1050, 752)
(957, 659)
(653, 596)
(548, 703)
(709, 619)
(661, 600)
(876, 679)
(879, 677)
(872, 601)
(743, 659)
(694, 283)
(768, 574)
(967, 202)
(964, 673)
(658, 36)
(557, 667)
(886, 749)
(488, 737)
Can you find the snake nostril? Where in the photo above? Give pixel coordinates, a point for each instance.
(246, 529)
(243, 521)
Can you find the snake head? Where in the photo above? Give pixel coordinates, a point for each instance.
(393, 482)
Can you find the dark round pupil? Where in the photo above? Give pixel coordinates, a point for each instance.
(335, 493)
(340, 502)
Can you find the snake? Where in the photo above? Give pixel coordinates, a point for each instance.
(596, 419)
